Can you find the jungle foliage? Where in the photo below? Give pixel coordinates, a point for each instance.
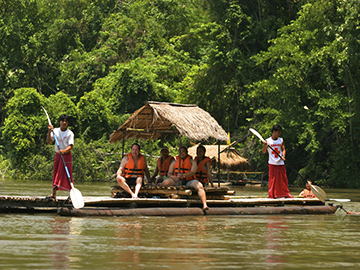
(248, 63)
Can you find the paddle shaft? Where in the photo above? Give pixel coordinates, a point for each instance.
(257, 134)
(287, 163)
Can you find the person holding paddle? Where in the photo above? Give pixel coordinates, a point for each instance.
(65, 139)
(131, 171)
(278, 181)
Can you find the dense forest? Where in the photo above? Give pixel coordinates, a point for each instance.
(248, 63)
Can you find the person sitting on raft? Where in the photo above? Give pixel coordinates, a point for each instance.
(162, 166)
(131, 171)
(185, 175)
(307, 193)
(203, 171)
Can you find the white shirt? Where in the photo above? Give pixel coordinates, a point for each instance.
(65, 138)
(274, 159)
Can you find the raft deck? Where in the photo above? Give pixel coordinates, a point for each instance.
(166, 201)
(121, 206)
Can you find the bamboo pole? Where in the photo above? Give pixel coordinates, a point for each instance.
(178, 183)
(218, 163)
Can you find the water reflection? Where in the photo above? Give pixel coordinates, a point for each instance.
(59, 253)
(128, 237)
(276, 229)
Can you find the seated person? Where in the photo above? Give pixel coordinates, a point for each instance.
(307, 193)
(162, 166)
(185, 175)
(131, 171)
(203, 171)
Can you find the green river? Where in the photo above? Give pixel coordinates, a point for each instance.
(48, 241)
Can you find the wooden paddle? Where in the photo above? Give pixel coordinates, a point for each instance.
(262, 139)
(338, 200)
(318, 192)
(75, 195)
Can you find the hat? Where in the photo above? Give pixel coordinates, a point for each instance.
(164, 148)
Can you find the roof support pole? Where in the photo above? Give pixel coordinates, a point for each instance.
(123, 145)
(178, 183)
(218, 164)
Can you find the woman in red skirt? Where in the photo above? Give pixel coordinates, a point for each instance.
(65, 138)
(278, 181)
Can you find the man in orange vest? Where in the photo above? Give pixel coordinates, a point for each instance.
(203, 172)
(131, 171)
(162, 166)
(184, 172)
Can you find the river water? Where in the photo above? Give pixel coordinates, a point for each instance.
(48, 241)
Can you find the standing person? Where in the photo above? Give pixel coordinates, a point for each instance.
(65, 138)
(162, 166)
(185, 174)
(203, 171)
(131, 171)
(307, 192)
(278, 181)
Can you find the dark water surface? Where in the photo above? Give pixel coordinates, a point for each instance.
(211, 242)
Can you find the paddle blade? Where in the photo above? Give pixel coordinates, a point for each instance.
(318, 192)
(76, 198)
(257, 134)
(48, 118)
(339, 200)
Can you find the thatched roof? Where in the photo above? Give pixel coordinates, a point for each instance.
(157, 118)
(230, 158)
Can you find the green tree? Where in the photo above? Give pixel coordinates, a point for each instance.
(314, 63)
(130, 85)
(24, 127)
(94, 116)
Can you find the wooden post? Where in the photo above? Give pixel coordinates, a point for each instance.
(123, 146)
(178, 183)
(218, 163)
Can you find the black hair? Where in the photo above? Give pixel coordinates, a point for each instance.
(202, 147)
(136, 144)
(63, 117)
(276, 127)
(183, 147)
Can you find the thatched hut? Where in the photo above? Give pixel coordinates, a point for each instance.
(155, 119)
(230, 158)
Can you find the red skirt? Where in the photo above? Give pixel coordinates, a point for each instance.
(60, 178)
(278, 182)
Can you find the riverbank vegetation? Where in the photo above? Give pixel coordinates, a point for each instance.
(248, 63)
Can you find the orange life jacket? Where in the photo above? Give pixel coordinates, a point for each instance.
(307, 194)
(130, 171)
(184, 168)
(164, 166)
(201, 172)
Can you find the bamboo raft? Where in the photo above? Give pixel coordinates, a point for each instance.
(174, 201)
